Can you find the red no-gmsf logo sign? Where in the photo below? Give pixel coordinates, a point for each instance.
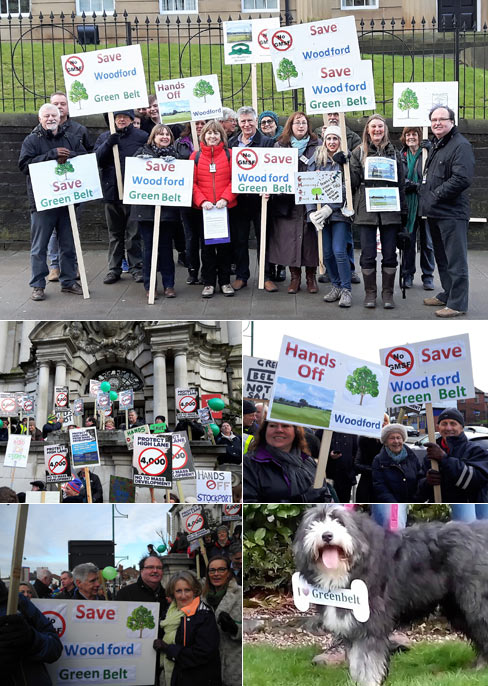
(400, 361)
(74, 65)
(246, 159)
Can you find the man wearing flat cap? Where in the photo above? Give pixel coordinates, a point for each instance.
(122, 231)
(463, 465)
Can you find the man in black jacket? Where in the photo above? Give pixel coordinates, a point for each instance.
(248, 205)
(42, 583)
(444, 201)
(122, 231)
(49, 141)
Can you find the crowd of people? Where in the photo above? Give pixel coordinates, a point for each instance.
(200, 619)
(431, 202)
(280, 464)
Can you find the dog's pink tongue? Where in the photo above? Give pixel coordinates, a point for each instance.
(330, 557)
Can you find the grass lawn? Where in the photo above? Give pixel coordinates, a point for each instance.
(425, 664)
(38, 67)
(303, 415)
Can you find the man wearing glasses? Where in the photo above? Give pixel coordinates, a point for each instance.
(448, 173)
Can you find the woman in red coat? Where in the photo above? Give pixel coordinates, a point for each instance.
(212, 187)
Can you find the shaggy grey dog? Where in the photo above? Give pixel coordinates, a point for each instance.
(408, 573)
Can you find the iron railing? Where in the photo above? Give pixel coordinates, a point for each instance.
(401, 50)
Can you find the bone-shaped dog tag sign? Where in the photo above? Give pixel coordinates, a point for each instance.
(354, 598)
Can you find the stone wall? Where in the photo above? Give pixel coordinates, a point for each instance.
(14, 211)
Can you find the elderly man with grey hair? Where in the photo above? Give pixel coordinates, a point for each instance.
(249, 205)
(43, 582)
(48, 141)
(87, 581)
(228, 121)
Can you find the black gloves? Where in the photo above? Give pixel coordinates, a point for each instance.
(411, 186)
(113, 139)
(227, 624)
(403, 240)
(340, 158)
(433, 477)
(16, 636)
(425, 144)
(159, 644)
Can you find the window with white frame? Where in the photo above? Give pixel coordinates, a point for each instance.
(97, 6)
(15, 7)
(260, 5)
(364, 4)
(172, 6)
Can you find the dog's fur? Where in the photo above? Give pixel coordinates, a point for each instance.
(408, 574)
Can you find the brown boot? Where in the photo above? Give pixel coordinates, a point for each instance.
(311, 282)
(388, 276)
(369, 280)
(296, 277)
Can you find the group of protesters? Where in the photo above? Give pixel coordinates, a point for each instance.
(199, 637)
(280, 464)
(432, 203)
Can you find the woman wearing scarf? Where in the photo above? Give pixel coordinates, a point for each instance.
(269, 125)
(224, 595)
(160, 144)
(412, 161)
(292, 240)
(278, 467)
(233, 445)
(190, 644)
(396, 468)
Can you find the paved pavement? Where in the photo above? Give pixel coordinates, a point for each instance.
(127, 300)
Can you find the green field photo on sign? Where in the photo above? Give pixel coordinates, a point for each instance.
(302, 403)
(173, 112)
(301, 415)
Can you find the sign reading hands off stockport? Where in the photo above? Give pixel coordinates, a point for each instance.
(325, 389)
(429, 371)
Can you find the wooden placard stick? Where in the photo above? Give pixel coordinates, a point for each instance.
(196, 142)
(17, 554)
(102, 582)
(346, 169)
(154, 256)
(127, 419)
(433, 463)
(254, 87)
(180, 491)
(88, 485)
(425, 135)
(323, 457)
(262, 244)
(203, 551)
(151, 493)
(79, 252)
(115, 149)
(197, 560)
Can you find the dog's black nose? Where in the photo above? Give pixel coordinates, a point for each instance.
(327, 537)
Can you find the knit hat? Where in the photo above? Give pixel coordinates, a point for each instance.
(129, 113)
(393, 429)
(451, 413)
(332, 130)
(51, 418)
(268, 113)
(75, 484)
(248, 407)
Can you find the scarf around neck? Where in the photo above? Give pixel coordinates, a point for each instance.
(301, 144)
(397, 457)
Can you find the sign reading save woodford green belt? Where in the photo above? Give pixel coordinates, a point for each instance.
(264, 170)
(105, 80)
(60, 185)
(155, 181)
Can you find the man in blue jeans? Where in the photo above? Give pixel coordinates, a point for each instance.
(49, 142)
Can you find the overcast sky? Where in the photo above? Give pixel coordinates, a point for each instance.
(50, 527)
(363, 339)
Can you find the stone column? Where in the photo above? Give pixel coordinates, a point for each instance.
(42, 394)
(60, 374)
(3, 345)
(181, 370)
(25, 342)
(160, 393)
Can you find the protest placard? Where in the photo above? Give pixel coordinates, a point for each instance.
(8, 405)
(264, 170)
(246, 41)
(352, 90)
(183, 466)
(318, 186)
(158, 182)
(17, 451)
(121, 490)
(205, 416)
(231, 513)
(325, 389)
(28, 404)
(84, 447)
(152, 460)
(67, 415)
(413, 101)
(186, 403)
(94, 387)
(259, 376)
(214, 486)
(189, 99)
(103, 642)
(159, 428)
(61, 396)
(129, 434)
(105, 80)
(306, 50)
(429, 371)
(103, 401)
(193, 521)
(56, 461)
(42, 497)
(78, 407)
(205, 397)
(126, 399)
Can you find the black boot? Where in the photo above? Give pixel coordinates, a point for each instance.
(280, 273)
(192, 277)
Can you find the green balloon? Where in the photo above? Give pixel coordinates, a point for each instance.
(109, 573)
(161, 548)
(1, 423)
(216, 404)
(215, 429)
(105, 386)
(114, 395)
